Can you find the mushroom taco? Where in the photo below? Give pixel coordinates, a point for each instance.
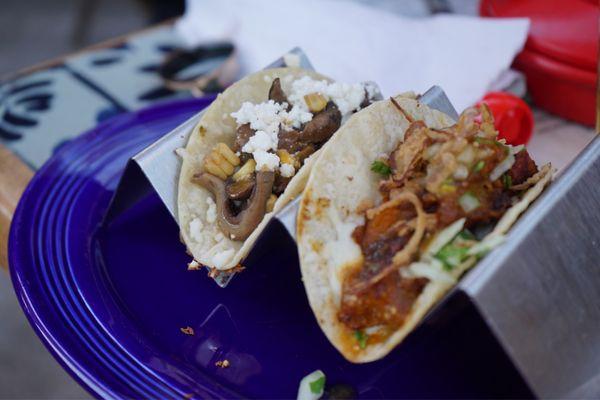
(250, 154)
(398, 206)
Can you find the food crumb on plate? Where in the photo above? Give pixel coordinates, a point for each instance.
(222, 363)
(188, 330)
(194, 266)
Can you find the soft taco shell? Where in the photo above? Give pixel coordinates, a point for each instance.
(341, 186)
(217, 125)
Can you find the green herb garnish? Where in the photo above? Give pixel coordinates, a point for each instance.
(317, 386)
(479, 166)
(451, 255)
(361, 337)
(506, 181)
(381, 167)
(484, 140)
(466, 234)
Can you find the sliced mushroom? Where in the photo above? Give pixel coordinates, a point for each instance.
(323, 125)
(290, 141)
(304, 153)
(243, 134)
(276, 93)
(280, 184)
(239, 190)
(239, 227)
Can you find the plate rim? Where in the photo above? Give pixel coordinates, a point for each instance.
(98, 388)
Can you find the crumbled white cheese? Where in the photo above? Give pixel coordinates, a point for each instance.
(297, 116)
(372, 90)
(291, 60)
(193, 265)
(211, 212)
(220, 259)
(265, 161)
(287, 170)
(346, 96)
(260, 141)
(196, 229)
(266, 116)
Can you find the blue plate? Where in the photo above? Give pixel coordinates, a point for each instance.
(110, 304)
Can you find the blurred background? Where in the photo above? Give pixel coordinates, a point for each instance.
(48, 29)
(33, 31)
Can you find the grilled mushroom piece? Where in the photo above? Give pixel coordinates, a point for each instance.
(239, 227)
(243, 134)
(323, 125)
(239, 190)
(291, 141)
(276, 93)
(280, 183)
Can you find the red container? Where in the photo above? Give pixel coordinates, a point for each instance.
(512, 117)
(560, 58)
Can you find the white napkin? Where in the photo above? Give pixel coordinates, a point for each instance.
(351, 42)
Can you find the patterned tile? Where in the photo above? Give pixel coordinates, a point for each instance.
(43, 110)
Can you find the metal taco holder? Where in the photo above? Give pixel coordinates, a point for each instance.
(538, 293)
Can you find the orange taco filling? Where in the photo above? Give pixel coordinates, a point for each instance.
(431, 180)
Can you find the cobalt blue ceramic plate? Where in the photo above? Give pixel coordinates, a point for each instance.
(110, 304)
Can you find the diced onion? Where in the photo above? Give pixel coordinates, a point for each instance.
(516, 149)
(467, 156)
(501, 168)
(468, 202)
(445, 236)
(486, 245)
(431, 151)
(461, 172)
(371, 330)
(433, 271)
(309, 384)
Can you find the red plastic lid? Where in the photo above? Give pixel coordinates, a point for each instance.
(512, 117)
(565, 30)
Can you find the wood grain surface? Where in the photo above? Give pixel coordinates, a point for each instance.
(14, 176)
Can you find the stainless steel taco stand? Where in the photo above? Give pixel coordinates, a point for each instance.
(538, 293)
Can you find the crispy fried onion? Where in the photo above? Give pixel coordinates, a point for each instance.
(466, 125)
(444, 164)
(417, 225)
(487, 122)
(440, 135)
(408, 153)
(532, 180)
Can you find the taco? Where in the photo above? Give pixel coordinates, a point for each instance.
(399, 205)
(250, 154)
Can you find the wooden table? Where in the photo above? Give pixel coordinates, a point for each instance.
(14, 176)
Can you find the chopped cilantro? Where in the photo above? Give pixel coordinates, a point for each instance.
(479, 166)
(317, 386)
(381, 167)
(466, 234)
(507, 181)
(485, 140)
(451, 255)
(361, 337)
